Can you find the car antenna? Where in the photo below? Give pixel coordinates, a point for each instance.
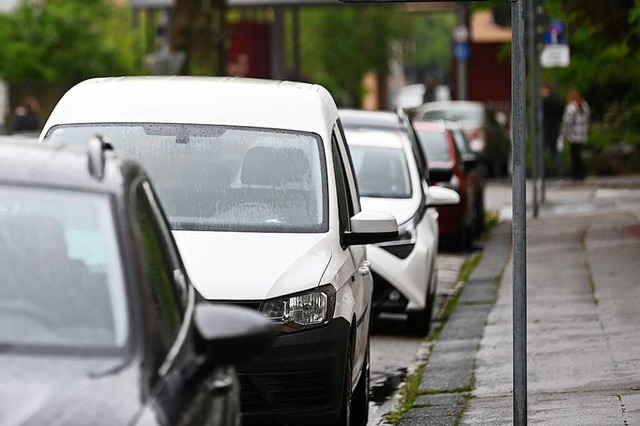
(97, 148)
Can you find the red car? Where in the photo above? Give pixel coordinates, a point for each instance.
(452, 164)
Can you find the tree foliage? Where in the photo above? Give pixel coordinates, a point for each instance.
(67, 40)
(341, 44)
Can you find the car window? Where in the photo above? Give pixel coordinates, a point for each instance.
(62, 276)
(462, 143)
(345, 154)
(220, 178)
(382, 172)
(472, 117)
(435, 145)
(166, 297)
(345, 207)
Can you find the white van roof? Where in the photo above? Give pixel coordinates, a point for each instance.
(198, 100)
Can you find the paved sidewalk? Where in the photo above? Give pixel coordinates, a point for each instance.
(583, 321)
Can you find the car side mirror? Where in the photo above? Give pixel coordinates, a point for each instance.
(232, 335)
(370, 227)
(440, 174)
(470, 161)
(438, 196)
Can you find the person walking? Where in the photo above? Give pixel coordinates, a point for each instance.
(575, 131)
(26, 116)
(552, 111)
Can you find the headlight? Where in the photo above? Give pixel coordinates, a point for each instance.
(406, 241)
(301, 310)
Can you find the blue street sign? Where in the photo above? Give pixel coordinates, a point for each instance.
(556, 33)
(461, 51)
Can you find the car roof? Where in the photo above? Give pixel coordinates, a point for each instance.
(360, 118)
(198, 100)
(439, 105)
(381, 138)
(433, 126)
(28, 163)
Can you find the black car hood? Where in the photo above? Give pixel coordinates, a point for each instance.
(70, 391)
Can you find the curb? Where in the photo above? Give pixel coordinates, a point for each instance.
(447, 379)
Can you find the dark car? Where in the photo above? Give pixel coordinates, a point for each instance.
(99, 324)
(488, 135)
(452, 164)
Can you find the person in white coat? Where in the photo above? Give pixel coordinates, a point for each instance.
(575, 131)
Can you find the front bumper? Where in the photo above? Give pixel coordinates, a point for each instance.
(299, 381)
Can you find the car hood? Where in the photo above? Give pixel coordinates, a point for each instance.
(55, 391)
(402, 208)
(253, 266)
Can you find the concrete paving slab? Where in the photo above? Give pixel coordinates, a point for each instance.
(451, 399)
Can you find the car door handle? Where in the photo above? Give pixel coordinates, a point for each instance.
(219, 386)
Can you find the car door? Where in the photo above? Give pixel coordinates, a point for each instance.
(361, 283)
(184, 396)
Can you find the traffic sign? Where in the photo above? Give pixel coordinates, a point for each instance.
(461, 51)
(555, 53)
(461, 34)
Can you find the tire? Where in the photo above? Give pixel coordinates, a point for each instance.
(360, 397)
(345, 406)
(463, 239)
(419, 322)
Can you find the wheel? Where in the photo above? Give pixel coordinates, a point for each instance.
(360, 397)
(345, 406)
(419, 322)
(463, 239)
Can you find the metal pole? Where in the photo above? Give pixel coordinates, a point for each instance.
(518, 134)
(462, 63)
(539, 121)
(296, 42)
(531, 49)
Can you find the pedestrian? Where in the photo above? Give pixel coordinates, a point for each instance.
(552, 111)
(26, 118)
(430, 86)
(575, 130)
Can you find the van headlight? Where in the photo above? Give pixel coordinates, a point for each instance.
(301, 310)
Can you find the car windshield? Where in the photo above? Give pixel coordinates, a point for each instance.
(462, 143)
(435, 145)
(215, 178)
(62, 279)
(471, 117)
(381, 172)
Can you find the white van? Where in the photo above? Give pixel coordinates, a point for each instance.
(256, 180)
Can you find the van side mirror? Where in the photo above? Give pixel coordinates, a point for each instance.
(232, 335)
(438, 174)
(370, 227)
(470, 161)
(438, 196)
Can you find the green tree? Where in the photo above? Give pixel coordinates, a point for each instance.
(67, 40)
(341, 44)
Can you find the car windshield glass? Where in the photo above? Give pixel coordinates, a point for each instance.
(435, 145)
(381, 172)
(461, 141)
(62, 279)
(471, 117)
(215, 178)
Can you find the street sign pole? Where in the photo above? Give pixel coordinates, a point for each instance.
(461, 27)
(533, 92)
(538, 107)
(518, 135)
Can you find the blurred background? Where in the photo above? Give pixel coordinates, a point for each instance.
(370, 57)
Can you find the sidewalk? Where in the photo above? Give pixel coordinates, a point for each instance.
(583, 321)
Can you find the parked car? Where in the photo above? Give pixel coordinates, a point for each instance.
(99, 323)
(390, 179)
(452, 168)
(259, 189)
(487, 135)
